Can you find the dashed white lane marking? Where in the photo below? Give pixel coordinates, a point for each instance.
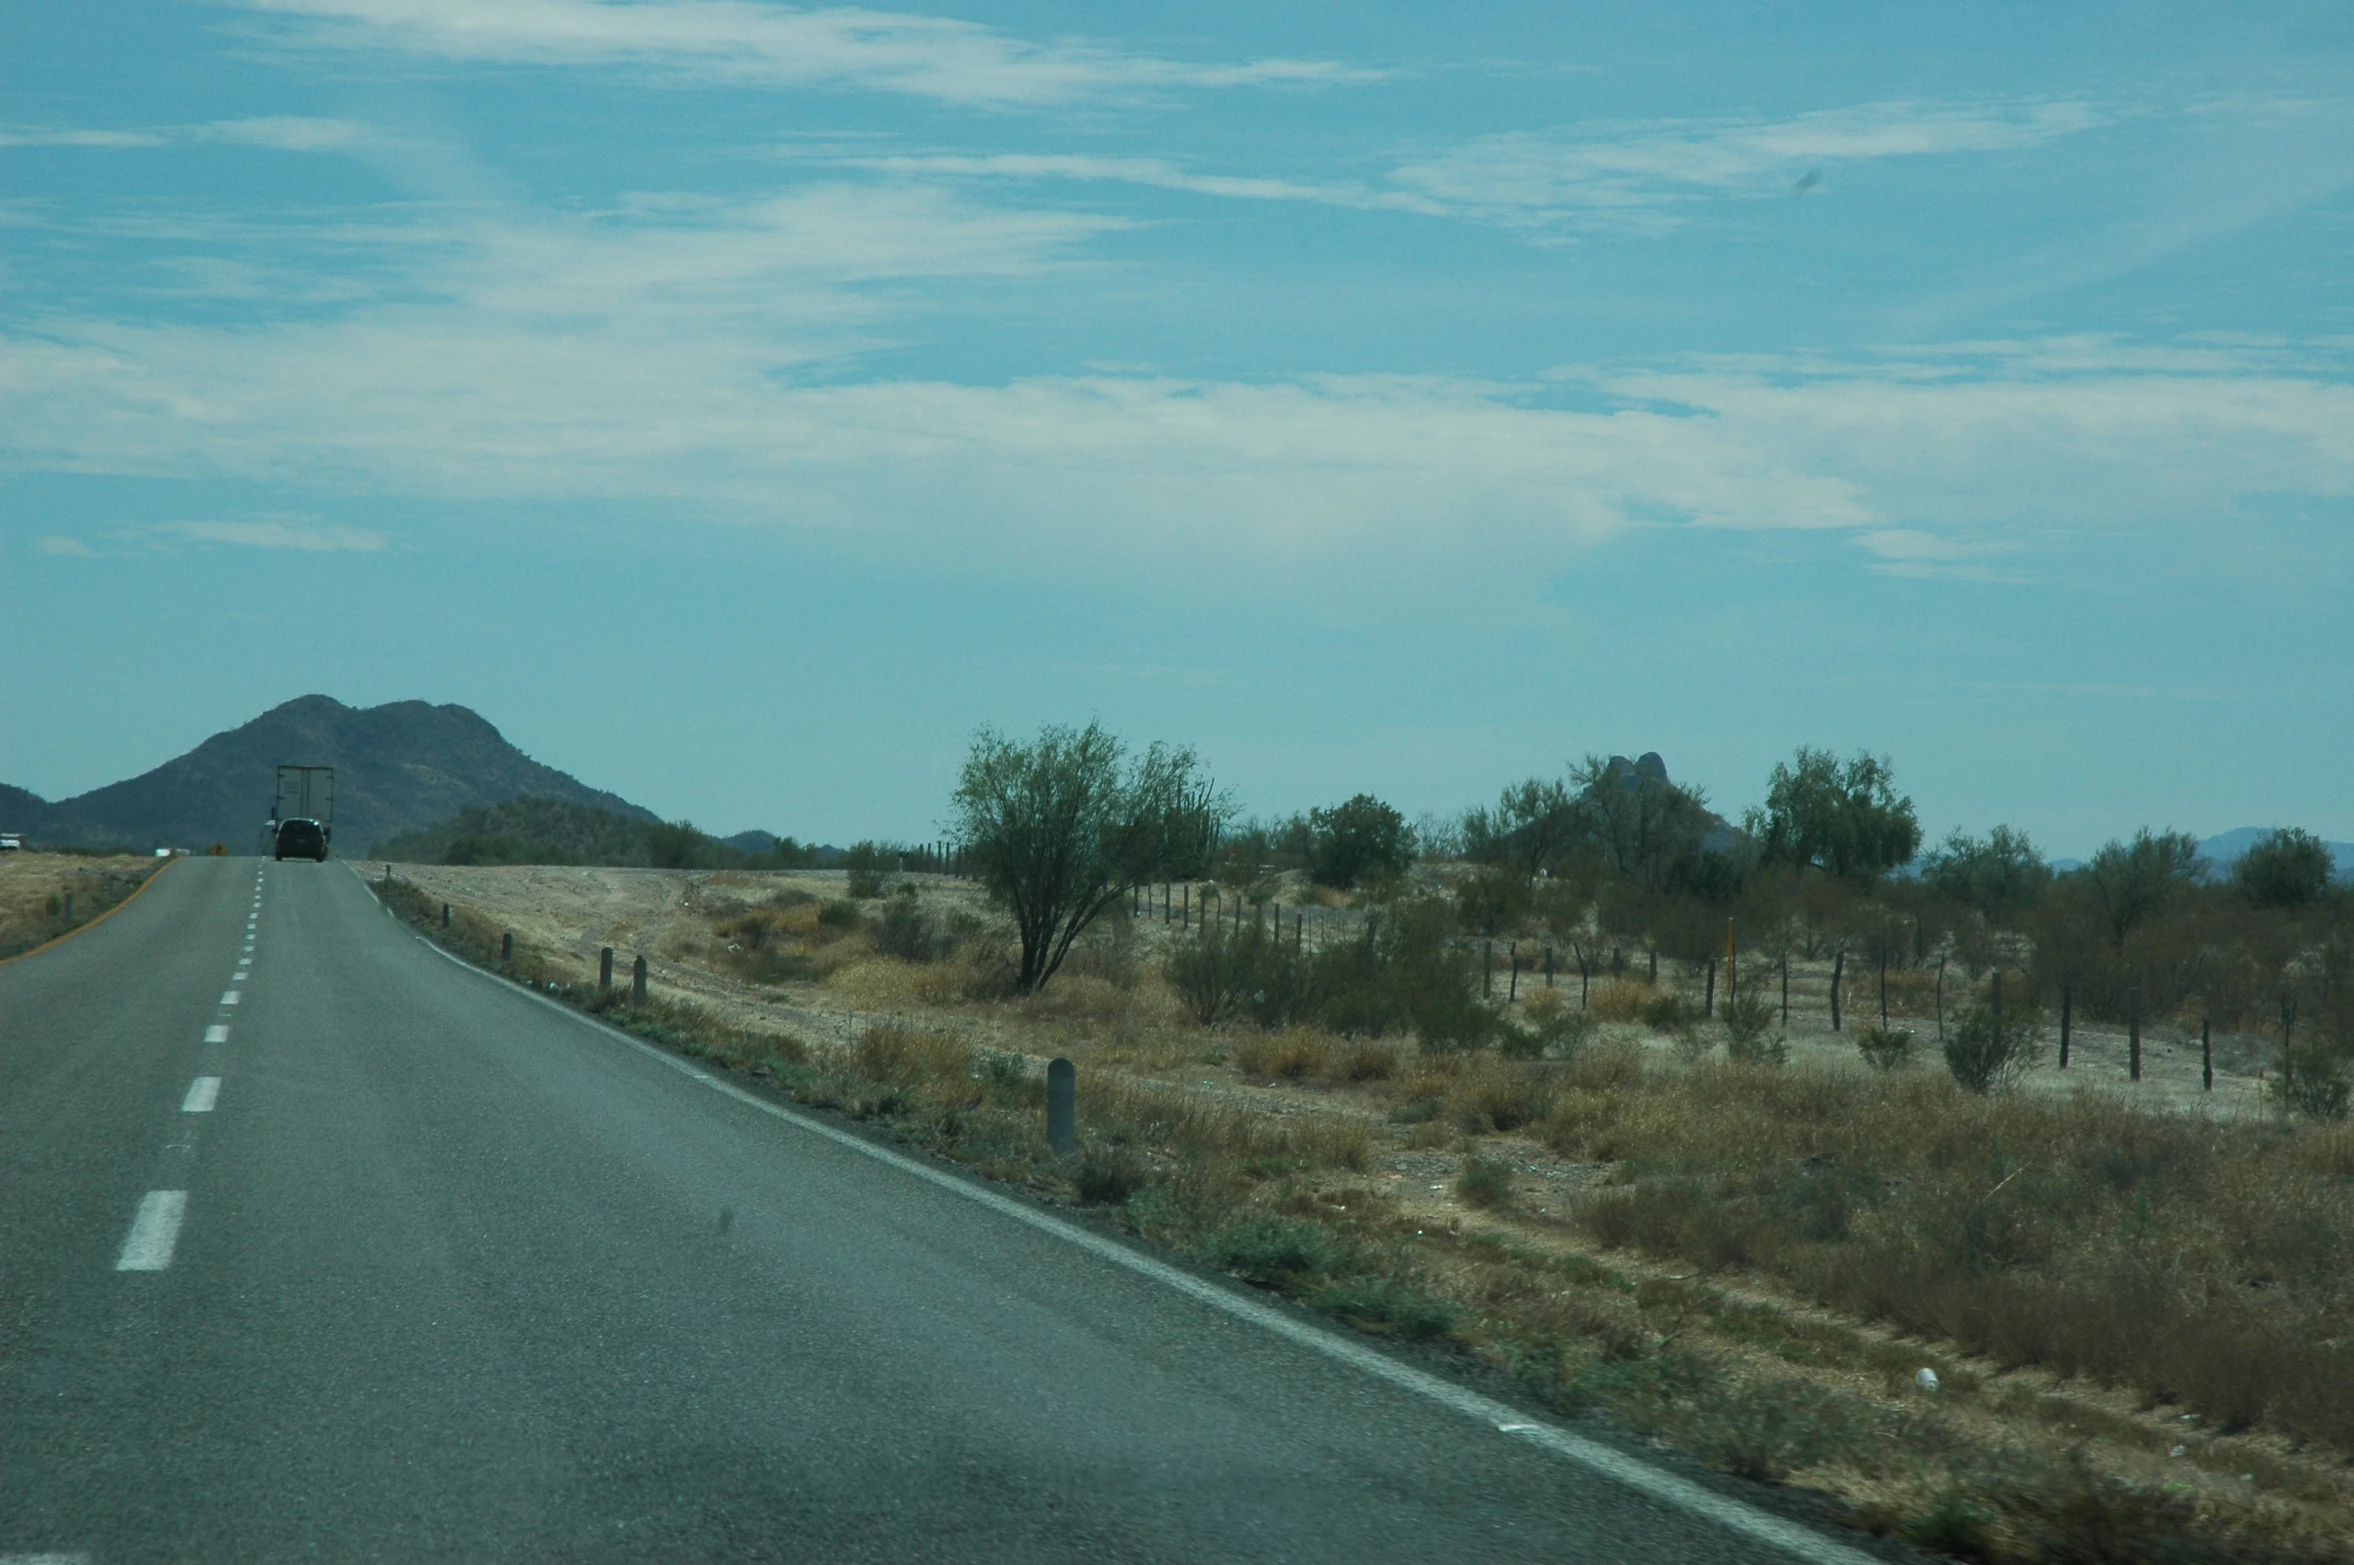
(203, 1093)
(218, 1032)
(228, 997)
(154, 1231)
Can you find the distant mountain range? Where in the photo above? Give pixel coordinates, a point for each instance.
(2224, 851)
(399, 768)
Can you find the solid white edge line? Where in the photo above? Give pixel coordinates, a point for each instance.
(203, 1093)
(1640, 1476)
(155, 1230)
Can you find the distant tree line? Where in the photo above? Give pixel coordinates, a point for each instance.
(1610, 861)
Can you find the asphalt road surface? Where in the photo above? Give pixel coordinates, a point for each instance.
(316, 1245)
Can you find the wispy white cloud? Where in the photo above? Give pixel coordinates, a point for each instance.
(1632, 173)
(64, 547)
(741, 41)
(1159, 173)
(105, 140)
(310, 538)
(287, 133)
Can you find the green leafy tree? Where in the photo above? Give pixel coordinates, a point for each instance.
(2287, 868)
(1534, 826)
(2136, 880)
(2000, 874)
(678, 845)
(1844, 818)
(1647, 830)
(1363, 839)
(1061, 828)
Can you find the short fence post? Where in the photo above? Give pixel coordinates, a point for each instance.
(2067, 1015)
(637, 984)
(1512, 991)
(1548, 967)
(1062, 1106)
(445, 915)
(1785, 991)
(1487, 967)
(2206, 1054)
(507, 946)
(605, 970)
(1708, 1006)
(1185, 918)
(1838, 970)
(2133, 1031)
(388, 873)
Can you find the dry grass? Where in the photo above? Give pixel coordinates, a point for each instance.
(2192, 1262)
(34, 888)
(1761, 1263)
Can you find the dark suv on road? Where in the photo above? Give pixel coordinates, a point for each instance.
(301, 839)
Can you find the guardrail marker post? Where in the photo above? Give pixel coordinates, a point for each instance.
(445, 915)
(605, 970)
(1062, 1106)
(637, 984)
(388, 874)
(507, 946)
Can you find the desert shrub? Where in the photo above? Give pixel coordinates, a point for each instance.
(1669, 1012)
(1750, 1034)
(864, 863)
(2312, 1082)
(840, 916)
(1499, 1095)
(1380, 1305)
(905, 1057)
(1620, 1000)
(1290, 1056)
(1366, 1059)
(1273, 1251)
(1555, 1031)
(1107, 1176)
(906, 929)
(1216, 972)
(1986, 1050)
(1884, 1048)
(1485, 1182)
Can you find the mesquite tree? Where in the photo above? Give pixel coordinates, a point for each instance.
(1064, 827)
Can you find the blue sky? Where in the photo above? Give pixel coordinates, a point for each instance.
(739, 404)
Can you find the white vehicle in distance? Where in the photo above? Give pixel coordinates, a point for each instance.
(11, 842)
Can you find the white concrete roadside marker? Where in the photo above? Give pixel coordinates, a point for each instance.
(218, 1032)
(154, 1231)
(229, 997)
(203, 1093)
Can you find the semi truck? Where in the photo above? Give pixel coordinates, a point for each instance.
(302, 817)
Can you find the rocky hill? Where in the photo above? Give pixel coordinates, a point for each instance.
(398, 767)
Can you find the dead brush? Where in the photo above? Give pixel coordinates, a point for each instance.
(907, 1058)
(1295, 1054)
(1621, 999)
(1500, 1095)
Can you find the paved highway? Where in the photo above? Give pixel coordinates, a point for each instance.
(316, 1245)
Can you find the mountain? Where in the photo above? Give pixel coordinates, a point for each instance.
(398, 767)
(2224, 849)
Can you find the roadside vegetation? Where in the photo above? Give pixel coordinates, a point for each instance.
(1726, 1134)
(45, 895)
